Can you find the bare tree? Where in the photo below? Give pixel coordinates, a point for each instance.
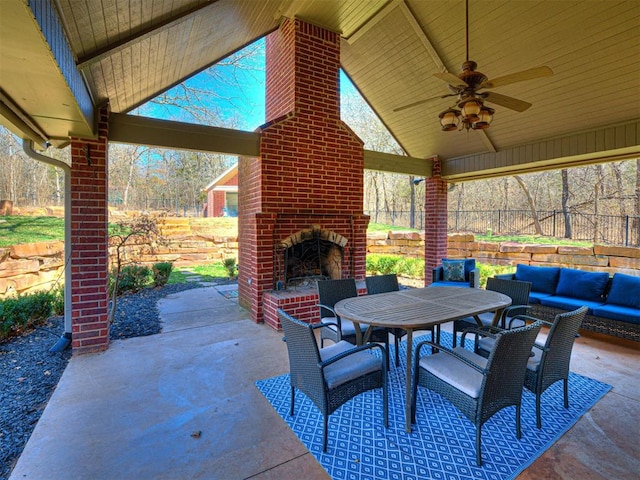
(565, 203)
(531, 202)
(143, 232)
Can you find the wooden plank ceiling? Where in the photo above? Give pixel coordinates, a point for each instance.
(129, 51)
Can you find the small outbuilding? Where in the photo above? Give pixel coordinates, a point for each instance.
(222, 195)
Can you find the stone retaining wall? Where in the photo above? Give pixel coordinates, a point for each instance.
(600, 258)
(188, 241)
(192, 241)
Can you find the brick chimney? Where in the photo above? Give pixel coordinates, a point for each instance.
(310, 171)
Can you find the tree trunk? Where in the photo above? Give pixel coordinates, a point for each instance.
(412, 202)
(565, 203)
(532, 204)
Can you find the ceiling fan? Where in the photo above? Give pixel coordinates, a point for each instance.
(467, 86)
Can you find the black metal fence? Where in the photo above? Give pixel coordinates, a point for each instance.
(605, 229)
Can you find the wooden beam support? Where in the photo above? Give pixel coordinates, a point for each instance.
(389, 162)
(182, 136)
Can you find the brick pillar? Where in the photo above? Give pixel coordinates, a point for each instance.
(435, 219)
(89, 240)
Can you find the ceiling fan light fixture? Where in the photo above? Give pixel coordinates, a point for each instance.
(485, 117)
(470, 108)
(449, 119)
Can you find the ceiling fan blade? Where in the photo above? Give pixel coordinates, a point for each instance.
(420, 102)
(529, 74)
(450, 78)
(505, 101)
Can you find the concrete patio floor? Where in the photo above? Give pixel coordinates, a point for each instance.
(183, 405)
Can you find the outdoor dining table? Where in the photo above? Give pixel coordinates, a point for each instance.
(417, 309)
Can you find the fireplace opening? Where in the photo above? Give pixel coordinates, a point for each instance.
(311, 255)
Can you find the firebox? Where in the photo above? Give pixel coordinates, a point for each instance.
(309, 255)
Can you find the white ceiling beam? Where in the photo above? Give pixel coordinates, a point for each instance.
(374, 20)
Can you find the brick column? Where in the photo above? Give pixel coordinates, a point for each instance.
(435, 217)
(89, 240)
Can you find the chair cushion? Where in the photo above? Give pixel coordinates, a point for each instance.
(618, 312)
(349, 368)
(625, 291)
(534, 361)
(580, 284)
(486, 319)
(543, 279)
(486, 344)
(569, 303)
(453, 270)
(456, 373)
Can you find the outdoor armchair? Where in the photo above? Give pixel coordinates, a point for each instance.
(335, 328)
(331, 376)
(456, 273)
(550, 359)
(518, 292)
(382, 284)
(479, 387)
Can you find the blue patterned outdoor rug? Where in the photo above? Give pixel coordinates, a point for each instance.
(442, 444)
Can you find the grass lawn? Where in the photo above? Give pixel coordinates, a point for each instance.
(209, 273)
(15, 230)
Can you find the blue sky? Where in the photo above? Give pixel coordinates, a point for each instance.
(238, 99)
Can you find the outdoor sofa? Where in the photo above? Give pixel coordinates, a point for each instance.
(613, 302)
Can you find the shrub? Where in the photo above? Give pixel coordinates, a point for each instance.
(230, 266)
(378, 264)
(57, 300)
(133, 278)
(24, 311)
(161, 273)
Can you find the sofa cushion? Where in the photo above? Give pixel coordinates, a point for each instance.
(625, 291)
(543, 279)
(580, 284)
(450, 284)
(535, 297)
(453, 270)
(570, 303)
(618, 312)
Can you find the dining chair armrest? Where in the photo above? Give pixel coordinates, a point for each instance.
(324, 324)
(540, 347)
(331, 309)
(488, 331)
(528, 318)
(511, 308)
(448, 351)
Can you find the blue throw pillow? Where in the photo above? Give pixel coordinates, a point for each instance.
(453, 270)
(625, 290)
(543, 279)
(469, 265)
(579, 284)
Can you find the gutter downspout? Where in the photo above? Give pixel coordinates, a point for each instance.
(65, 339)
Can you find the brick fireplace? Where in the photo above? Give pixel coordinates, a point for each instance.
(307, 183)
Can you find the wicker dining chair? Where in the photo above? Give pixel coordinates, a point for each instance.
(331, 376)
(336, 329)
(479, 387)
(519, 293)
(382, 284)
